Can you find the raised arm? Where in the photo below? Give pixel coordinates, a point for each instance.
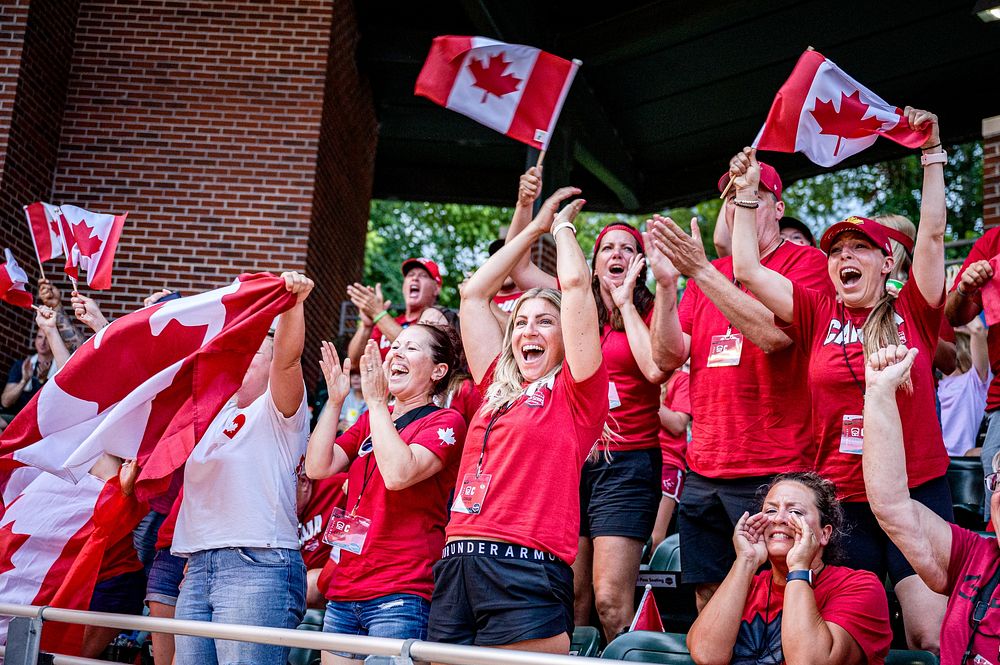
(323, 456)
(525, 273)
(928, 251)
(88, 312)
(669, 344)
(961, 306)
(371, 305)
(922, 536)
(46, 320)
(482, 336)
(285, 377)
(578, 314)
(771, 288)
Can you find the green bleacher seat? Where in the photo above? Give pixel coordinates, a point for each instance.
(586, 642)
(904, 657)
(649, 647)
(667, 553)
(313, 621)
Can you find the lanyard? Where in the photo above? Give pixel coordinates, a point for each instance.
(843, 346)
(486, 435)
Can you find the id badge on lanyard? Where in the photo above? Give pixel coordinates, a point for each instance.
(346, 531)
(725, 350)
(471, 495)
(852, 435)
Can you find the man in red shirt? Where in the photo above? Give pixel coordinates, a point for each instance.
(421, 285)
(750, 406)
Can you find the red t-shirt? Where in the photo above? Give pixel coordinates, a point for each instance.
(327, 494)
(467, 400)
(973, 562)
(853, 599)
(534, 455)
(632, 400)
(751, 419)
(985, 249)
(818, 327)
(165, 536)
(678, 399)
(384, 342)
(506, 303)
(119, 558)
(406, 535)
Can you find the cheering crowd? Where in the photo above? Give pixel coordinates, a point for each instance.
(492, 479)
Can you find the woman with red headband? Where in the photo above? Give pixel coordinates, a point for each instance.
(838, 333)
(620, 491)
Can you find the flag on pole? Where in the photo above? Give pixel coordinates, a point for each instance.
(185, 358)
(47, 229)
(92, 239)
(12, 282)
(516, 90)
(647, 617)
(825, 114)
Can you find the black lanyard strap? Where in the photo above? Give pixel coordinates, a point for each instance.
(486, 435)
(980, 604)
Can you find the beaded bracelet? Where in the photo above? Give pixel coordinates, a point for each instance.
(749, 205)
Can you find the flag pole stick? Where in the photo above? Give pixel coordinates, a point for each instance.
(73, 282)
(41, 268)
(728, 185)
(541, 157)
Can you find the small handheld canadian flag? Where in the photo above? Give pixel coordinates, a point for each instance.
(91, 244)
(516, 90)
(647, 617)
(12, 282)
(826, 115)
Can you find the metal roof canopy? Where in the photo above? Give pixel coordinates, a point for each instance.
(668, 91)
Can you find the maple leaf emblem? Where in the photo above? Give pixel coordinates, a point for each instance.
(447, 436)
(54, 226)
(10, 542)
(490, 78)
(88, 244)
(849, 123)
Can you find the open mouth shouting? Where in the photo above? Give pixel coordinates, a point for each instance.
(850, 276)
(532, 353)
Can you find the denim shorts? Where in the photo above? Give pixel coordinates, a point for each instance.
(165, 575)
(401, 616)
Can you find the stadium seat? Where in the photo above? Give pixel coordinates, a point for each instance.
(586, 641)
(903, 657)
(650, 647)
(965, 477)
(313, 620)
(667, 554)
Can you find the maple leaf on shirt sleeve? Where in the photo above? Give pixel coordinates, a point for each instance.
(491, 78)
(850, 122)
(447, 436)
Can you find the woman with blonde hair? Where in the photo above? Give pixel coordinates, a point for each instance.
(837, 333)
(505, 579)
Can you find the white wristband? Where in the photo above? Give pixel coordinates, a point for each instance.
(933, 158)
(563, 225)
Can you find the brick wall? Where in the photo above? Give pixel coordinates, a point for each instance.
(36, 46)
(991, 171)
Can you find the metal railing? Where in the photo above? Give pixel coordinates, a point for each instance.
(23, 639)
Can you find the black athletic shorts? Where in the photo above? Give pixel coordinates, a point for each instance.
(621, 497)
(121, 594)
(865, 544)
(708, 512)
(489, 594)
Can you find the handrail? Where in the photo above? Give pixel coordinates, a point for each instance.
(452, 654)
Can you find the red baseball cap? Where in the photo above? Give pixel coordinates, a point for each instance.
(426, 264)
(620, 226)
(866, 227)
(769, 180)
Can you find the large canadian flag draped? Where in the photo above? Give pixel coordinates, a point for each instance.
(91, 244)
(48, 229)
(516, 90)
(12, 282)
(825, 114)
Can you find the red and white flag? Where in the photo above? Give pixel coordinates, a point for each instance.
(91, 241)
(516, 90)
(825, 114)
(145, 387)
(53, 538)
(48, 229)
(647, 617)
(12, 282)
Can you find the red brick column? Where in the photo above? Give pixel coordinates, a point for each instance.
(991, 171)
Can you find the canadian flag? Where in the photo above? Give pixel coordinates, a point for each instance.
(647, 617)
(53, 538)
(48, 229)
(94, 239)
(12, 282)
(825, 114)
(516, 90)
(145, 387)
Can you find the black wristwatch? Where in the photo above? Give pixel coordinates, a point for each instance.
(805, 575)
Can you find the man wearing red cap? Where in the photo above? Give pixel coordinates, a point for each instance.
(750, 407)
(421, 285)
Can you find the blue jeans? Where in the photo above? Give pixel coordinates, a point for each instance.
(243, 585)
(398, 615)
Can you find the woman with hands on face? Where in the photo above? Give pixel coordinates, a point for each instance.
(402, 461)
(802, 610)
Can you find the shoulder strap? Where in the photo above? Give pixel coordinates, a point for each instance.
(414, 415)
(981, 602)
